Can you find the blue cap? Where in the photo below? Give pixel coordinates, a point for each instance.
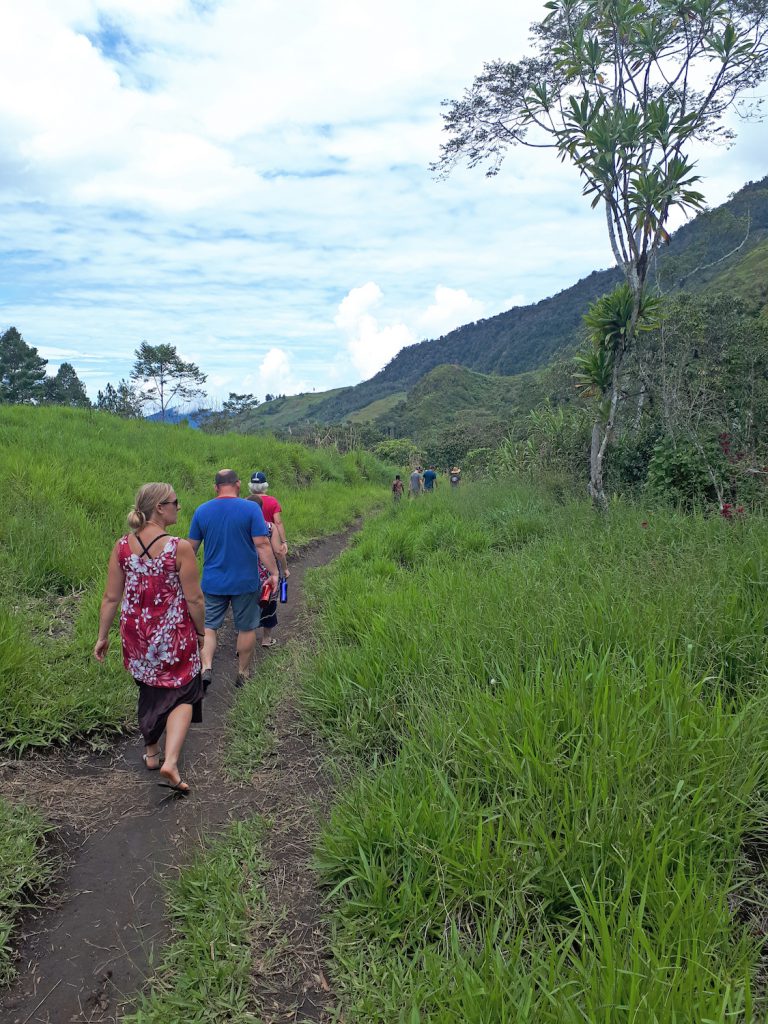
(258, 478)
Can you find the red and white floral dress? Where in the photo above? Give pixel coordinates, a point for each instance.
(158, 635)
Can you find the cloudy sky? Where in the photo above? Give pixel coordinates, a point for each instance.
(248, 180)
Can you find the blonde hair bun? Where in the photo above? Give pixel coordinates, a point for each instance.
(136, 519)
(148, 498)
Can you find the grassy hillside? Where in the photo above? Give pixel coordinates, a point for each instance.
(452, 393)
(67, 479)
(747, 278)
(563, 763)
(378, 410)
(283, 412)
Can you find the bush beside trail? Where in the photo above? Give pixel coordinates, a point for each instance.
(556, 729)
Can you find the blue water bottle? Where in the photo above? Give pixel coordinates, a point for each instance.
(283, 590)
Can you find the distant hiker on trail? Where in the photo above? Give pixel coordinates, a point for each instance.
(268, 619)
(455, 476)
(273, 513)
(415, 483)
(430, 479)
(235, 539)
(397, 488)
(162, 626)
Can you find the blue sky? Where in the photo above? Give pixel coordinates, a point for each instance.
(248, 180)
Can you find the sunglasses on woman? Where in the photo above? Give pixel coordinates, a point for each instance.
(171, 501)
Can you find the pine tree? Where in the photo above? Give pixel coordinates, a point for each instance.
(22, 370)
(119, 401)
(66, 388)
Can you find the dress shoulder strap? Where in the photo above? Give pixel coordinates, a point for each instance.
(145, 547)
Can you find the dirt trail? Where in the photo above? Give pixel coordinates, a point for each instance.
(83, 958)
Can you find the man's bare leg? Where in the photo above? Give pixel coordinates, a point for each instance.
(209, 649)
(246, 641)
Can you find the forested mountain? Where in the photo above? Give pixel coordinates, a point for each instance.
(726, 247)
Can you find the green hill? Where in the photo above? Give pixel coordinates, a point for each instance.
(747, 278)
(527, 337)
(448, 394)
(281, 413)
(380, 409)
(725, 248)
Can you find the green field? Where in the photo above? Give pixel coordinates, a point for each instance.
(556, 727)
(67, 479)
(550, 727)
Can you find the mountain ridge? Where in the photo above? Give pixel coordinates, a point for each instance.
(706, 250)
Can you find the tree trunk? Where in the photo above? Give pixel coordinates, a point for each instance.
(596, 489)
(640, 406)
(601, 438)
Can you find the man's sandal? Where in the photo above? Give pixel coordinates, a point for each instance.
(147, 757)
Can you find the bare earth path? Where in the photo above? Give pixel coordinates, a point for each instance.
(83, 958)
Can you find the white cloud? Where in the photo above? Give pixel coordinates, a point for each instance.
(370, 345)
(275, 376)
(275, 369)
(357, 304)
(452, 308)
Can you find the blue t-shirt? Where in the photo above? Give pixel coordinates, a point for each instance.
(429, 479)
(226, 527)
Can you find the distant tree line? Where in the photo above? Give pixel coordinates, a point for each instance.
(159, 377)
(24, 381)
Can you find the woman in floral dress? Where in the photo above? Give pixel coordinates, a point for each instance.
(154, 578)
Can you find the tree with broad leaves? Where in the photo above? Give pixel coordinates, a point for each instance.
(622, 89)
(66, 388)
(165, 377)
(22, 370)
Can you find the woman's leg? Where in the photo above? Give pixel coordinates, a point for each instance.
(176, 730)
(152, 756)
(149, 726)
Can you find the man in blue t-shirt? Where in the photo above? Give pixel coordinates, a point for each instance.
(234, 537)
(430, 479)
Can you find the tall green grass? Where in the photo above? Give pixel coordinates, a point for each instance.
(67, 479)
(557, 729)
(24, 871)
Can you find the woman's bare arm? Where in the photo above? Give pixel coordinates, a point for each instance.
(113, 594)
